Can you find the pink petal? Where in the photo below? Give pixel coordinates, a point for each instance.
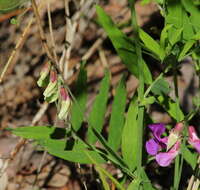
(165, 158)
(152, 147)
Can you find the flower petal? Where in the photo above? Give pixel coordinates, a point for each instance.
(165, 158)
(152, 147)
(158, 129)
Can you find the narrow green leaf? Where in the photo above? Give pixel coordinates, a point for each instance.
(188, 45)
(130, 137)
(37, 132)
(96, 117)
(117, 116)
(123, 45)
(71, 150)
(79, 106)
(176, 37)
(164, 35)
(151, 44)
(171, 107)
(77, 156)
(160, 87)
(135, 184)
(190, 158)
(112, 155)
(175, 11)
(194, 13)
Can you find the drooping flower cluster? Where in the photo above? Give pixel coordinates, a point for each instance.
(54, 89)
(171, 143)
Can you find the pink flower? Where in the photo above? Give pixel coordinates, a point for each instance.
(193, 138)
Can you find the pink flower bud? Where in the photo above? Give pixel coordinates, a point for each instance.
(53, 76)
(65, 103)
(63, 93)
(178, 128)
(46, 68)
(44, 75)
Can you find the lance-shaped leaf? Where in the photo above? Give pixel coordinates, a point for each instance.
(96, 116)
(122, 44)
(79, 105)
(151, 44)
(171, 107)
(117, 116)
(129, 136)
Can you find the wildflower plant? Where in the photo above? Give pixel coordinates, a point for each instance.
(124, 146)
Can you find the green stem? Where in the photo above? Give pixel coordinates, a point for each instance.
(178, 163)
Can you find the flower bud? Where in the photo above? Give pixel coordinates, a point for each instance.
(42, 81)
(65, 103)
(51, 92)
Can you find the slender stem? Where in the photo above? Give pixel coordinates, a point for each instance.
(178, 161)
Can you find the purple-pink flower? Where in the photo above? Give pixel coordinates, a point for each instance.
(157, 143)
(165, 149)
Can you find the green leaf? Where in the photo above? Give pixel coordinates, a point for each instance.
(135, 184)
(176, 37)
(117, 116)
(123, 45)
(190, 158)
(194, 13)
(77, 156)
(171, 107)
(160, 87)
(176, 11)
(164, 35)
(96, 116)
(79, 106)
(112, 155)
(151, 44)
(148, 101)
(130, 137)
(37, 132)
(141, 182)
(188, 45)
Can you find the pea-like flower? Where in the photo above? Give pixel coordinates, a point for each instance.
(172, 143)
